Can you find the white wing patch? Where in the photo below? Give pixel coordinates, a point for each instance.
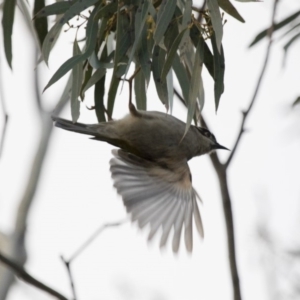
(159, 196)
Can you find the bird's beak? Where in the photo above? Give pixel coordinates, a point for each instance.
(218, 146)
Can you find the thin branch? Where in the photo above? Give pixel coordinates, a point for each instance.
(21, 273)
(4, 113)
(67, 263)
(68, 266)
(258, 85)
(93, 237)
(17, 242)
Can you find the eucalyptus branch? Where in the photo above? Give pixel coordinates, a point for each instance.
(67, 263)
(17, 240)
(258, 85)
(20, 272)
(93, 237)
(4, 113)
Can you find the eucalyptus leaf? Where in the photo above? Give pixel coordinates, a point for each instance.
(86, 77)
(56, 8)
(123, 42)
(297, 101)
(196, 85)
(219, 71)
(91, 34)
(76, 85)
(140, 20)
(157, 64)
(182, 76)
(289, 43)
(99, 99)
(168, 62)
(7, 25)
(94, 79)
(74, 10)
(208, 57)
(228, 7)
(144, 54)
(107, 11)
(170, 89)
(277, 26)
(216, 21)
(140, 91)
(40, 25)
(164, 17)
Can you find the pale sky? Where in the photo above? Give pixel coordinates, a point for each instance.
(75, 195)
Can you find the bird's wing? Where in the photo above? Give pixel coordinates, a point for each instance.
(160, 196)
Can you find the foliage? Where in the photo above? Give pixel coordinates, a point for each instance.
(162, 37)
(291, 32)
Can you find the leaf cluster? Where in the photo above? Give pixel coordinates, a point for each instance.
(290, 28)
(161, 38)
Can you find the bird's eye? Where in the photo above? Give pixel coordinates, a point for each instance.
(206, 133)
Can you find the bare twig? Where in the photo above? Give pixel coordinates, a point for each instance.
(67, 263)
(258, 85)
(68, 266)
(93, 237)
(21, 273)
(5, 115)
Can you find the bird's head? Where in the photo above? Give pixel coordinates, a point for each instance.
(208, 141)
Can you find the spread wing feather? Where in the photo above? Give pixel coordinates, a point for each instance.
(160, 196)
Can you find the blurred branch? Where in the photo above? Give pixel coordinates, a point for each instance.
(93, 237)
(68, 266)
(258, 85)
(17, 241)
(20, 271)
(67, 263)
(4, 113)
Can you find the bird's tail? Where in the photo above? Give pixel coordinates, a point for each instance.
(76, 127)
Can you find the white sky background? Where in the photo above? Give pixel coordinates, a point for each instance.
(75, 195)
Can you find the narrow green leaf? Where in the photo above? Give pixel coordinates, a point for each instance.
(107, 11)
(182, 77)
(113, 88)
(186, 21)
(56, 8)
(219, 70)
(171, 34)
(86, 77)
(94, 79)
(144, 54)
(91, 34)
(157, 64)
(76, 85)
(296, 102)
(164, 17)
(99, 99)
(7, 25)
(289, 31)
(40, 25)
(196, 85)
(170, 89)
(277, 26)
(288, 44)
(208, 57)
(123, 42)
(168, 62)
(228, 7)
(74, 10)
(140, 20)
(216, 21)
(140, 91)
